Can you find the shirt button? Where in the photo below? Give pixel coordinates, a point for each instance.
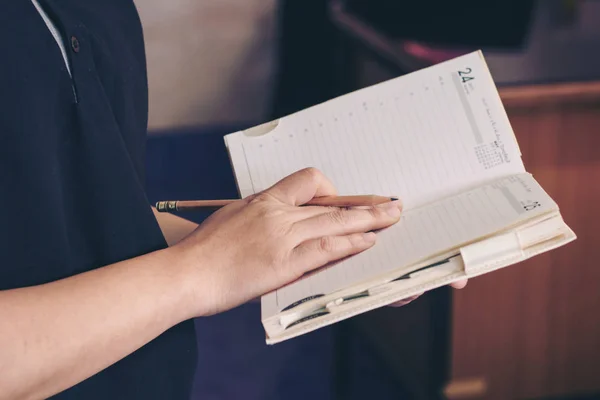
(75, 44)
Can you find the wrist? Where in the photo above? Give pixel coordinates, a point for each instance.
(193, 283)
(177, 304)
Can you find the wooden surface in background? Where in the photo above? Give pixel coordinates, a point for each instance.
(533, 330)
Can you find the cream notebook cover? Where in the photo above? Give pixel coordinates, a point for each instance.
(440, 140)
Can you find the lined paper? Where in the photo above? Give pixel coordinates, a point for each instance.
(422, 137)
(418, 137)
(426, 231)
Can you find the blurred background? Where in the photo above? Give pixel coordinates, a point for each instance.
(528, 332)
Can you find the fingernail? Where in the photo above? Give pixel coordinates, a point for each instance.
(369, 237)
(392, 208)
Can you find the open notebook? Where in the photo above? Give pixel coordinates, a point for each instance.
(440, 140)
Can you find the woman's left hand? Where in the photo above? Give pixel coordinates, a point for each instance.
(455, 285)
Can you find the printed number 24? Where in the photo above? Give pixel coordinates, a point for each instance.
(465, 75)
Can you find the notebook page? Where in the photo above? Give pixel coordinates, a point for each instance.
(424, 232)
(419, 137)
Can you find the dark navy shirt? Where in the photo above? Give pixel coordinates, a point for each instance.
(72, 148)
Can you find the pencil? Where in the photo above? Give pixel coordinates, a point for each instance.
(327, 201)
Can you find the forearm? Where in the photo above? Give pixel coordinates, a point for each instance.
(174, 228)
(55, 335)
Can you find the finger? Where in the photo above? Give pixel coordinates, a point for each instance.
(459, 284)
(313, 211)
(307, 212)
(301, 187)
(405, 301)
(347, 221)
(316, 253)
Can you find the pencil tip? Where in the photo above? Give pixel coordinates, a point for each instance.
(394, 199)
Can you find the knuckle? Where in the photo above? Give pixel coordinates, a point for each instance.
(249, 199)
(295, 232)
(275, 224)
(376, 213)
(270, 215)
(277, 260)
(339, 217)
(355, 240)
(312, 174)
(260, 198)
(263, 202)
(276, 266)
(326, 244)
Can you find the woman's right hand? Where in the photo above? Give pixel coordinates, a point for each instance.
(270, 239)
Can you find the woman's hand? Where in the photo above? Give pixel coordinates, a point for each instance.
(455, 285)
(266, 241)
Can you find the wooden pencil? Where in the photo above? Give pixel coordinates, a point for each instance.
(326, 201)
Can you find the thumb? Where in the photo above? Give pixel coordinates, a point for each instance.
(301, 187)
